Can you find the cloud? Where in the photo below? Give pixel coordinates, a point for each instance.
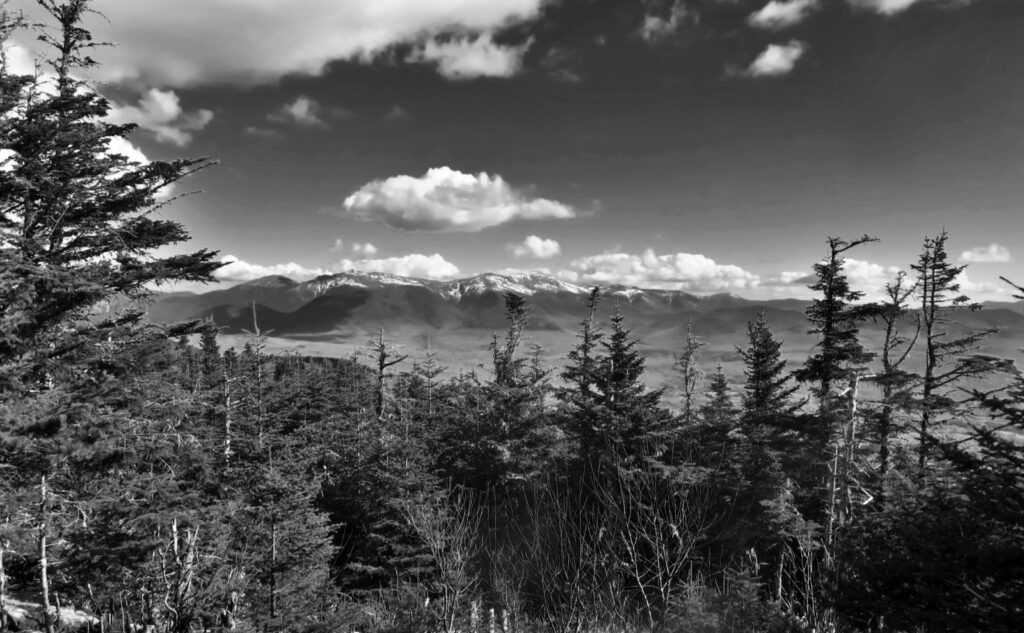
(256, 42)
(868, 277)
(679, 271)
(776, 60)
(980, 291)
(238, 270)
(415, 265)
(19, 59)
(537, 247)
(991, 254)
(367, 249)
(471, 57)
(397, 114)
(780, 14)
(891, 7)
(656, 28)
(449, 201)
(160, 112)
(303, 111)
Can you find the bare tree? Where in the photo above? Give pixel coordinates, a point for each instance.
(448, 523)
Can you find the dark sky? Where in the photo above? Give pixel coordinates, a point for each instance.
(707, 145)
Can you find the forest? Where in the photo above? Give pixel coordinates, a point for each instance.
(152, 481)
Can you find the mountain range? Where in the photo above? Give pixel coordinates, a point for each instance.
(337, 314)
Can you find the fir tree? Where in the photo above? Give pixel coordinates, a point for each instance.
(767, 393)
(835, 320)
(939, 294)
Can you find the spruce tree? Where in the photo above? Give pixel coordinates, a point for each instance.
(78, 252)
(77, 229)
(938, 290)
(835, 319)
(767, 392)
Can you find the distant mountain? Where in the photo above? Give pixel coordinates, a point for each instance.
(342, 311)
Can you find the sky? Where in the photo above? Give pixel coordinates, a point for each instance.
(703, 145)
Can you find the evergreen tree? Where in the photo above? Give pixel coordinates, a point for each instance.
(76, 232)
(767, 394)
(939, 294)
(78, 250)
(632, 416)
(835, 320)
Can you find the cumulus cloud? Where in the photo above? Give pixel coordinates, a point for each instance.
(471, 57)
(260, 41)
(537, 247)
(980, 290)
(868, 277)
(414, 265)
(679, 271)
(991, 254)
(776, 60)
(302, 111)
(780, 14)
(447, 200)
(160, 112)
(656, 28)
(367, 249)
(238, 270)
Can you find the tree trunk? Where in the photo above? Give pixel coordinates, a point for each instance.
(44, 579)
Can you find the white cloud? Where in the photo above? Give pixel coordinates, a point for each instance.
(777, 59)
(366, 249)
(538, 247)
(303, 111)
(239, 270)
(991, 254)
(415, 265)
(679, 271)
(788, 278)
(980, 291)
(890, 7)
(447, 200)
(204, 42)
(19, 60)
(160, 112)
(780, 14)
(869, 278)
(656, 28)
(471, 57)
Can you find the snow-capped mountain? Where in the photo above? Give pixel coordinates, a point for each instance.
(525, 284)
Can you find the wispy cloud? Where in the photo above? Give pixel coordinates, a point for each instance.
(306, 112)
(780, 14)
(160, 112)
(656, 28)
(891, 7)
(469, 57)
(447, 200)
(278, 38)
(991, 254)
(776, 60)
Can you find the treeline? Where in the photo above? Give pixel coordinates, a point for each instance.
(157, 482)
